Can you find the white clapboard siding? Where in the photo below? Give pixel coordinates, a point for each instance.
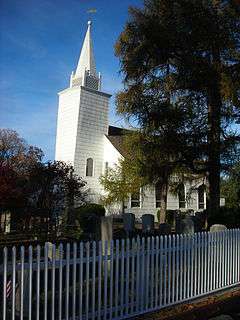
(116, 280)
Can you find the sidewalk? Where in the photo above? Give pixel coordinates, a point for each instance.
(224, 305)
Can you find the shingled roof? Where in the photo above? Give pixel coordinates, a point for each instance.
(116, 137)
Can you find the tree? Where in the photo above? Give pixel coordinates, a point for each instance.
(185, 55)
(16, 159)
(230, 188)
(30, 188)
(53, 188)
(15, 153)
(119, 183)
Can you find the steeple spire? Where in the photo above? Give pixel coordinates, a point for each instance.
(85, 74)
(86, 61)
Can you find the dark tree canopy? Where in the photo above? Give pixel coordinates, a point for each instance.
(29, 187)
(181, 63)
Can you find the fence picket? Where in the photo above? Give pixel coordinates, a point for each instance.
(105, 274)
(53, 279)
(146, 291)
(60, 281)
(133, 275)
(87, 280)
(157, 273)
(111, 278)
(93, 279)
(38, 282)
(22, 249)
(67, 282)
(5, 258)
(122, 278)
(116, 278)
(13, 281)
(30, 283)
(127, 277)
(74, 281)
(81, 280)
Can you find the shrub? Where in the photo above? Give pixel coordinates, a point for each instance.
(230, 217)
(89, 217)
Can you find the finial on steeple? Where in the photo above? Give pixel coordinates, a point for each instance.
(89, 22)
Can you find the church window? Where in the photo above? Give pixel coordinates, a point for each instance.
(182, 196)
(158, 195)
(106, 167)
(201, 196)
(89, 167)
(135, 200)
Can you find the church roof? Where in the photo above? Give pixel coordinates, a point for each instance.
(115, 131)
(86, 61)
(116, 137)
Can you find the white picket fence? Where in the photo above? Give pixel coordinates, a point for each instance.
(116, 280)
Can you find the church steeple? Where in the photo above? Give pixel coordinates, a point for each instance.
(86, 60)
(85, 74)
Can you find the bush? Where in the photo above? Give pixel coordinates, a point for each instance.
(89, 217)
(170, 216)
(230, 217)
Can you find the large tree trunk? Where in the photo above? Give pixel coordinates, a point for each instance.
(214, 168)
(163, 202)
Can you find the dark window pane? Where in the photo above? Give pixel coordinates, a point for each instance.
(89, 167)
(201, 203)
(182, 197)
(158, 195)
(135, 200)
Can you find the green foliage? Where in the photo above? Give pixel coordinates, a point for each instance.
(89, 217)
(121, 181)
(230, 188)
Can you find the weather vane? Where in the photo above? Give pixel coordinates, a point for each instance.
(91, 11)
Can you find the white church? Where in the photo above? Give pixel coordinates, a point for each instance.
(87, 141)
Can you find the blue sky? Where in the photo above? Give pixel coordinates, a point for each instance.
(40, 42)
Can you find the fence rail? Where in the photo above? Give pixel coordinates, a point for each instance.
(116, 280)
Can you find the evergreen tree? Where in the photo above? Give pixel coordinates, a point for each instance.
(181, 61)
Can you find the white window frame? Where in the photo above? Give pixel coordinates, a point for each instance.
(140, 200)
(185, 193)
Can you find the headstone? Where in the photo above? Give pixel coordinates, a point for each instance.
(128, 222)
(223, 317)
(197, 223)
(147, 223)
(164, 228)
(25, 291)
(106, 231)
(187, 225)
(178, 224)
(217, 227)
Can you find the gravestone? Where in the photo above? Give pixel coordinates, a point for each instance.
(178, 224)
(128, 223)
(187, 225)
(106, 231)
(197, 223)
(147, 223)
(164, 228)
(217, 227)
(25, 281)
